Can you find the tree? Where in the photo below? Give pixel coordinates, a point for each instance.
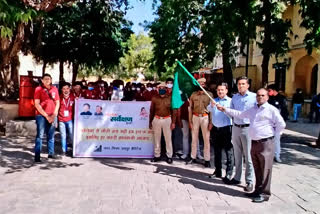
(88, 34)
(175, 34)
(45, 5)
(225, 22)
(138, 57)
(274, 32)
(311, 21)
(14, 18)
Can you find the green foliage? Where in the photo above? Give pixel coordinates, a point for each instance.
(311, 21)
(12, 13)
(89, 33)
(175, 33)
(137, 58)
(275, 31)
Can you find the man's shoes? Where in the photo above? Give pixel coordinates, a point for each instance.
(183, 157)
(191, 161)
(248, 187)
(54, 157)
(252, 195)
(169, 160)
(207, 164)
(227, 179)
(260, 199)
(37, 160)
(277, 159)
(200, 157)
(155, 159)
(233, 182)
(216, 174)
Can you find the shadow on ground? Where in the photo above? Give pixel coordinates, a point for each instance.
(292, 144)
(199, 180)
(16, 155)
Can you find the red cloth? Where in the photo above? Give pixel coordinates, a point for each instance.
(139, 96)
(184, 111)
(102, 93)
(147, 95)
(91, 94)
(47, 98)
(66, 105)
(75, 95)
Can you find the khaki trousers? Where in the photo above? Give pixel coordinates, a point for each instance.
(202, 122)
(159, 125)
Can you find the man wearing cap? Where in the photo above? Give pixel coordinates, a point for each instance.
(280, 102)
(199, 116)
(160, 121)
(241, 140)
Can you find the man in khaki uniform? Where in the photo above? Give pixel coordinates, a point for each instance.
(199, 116)
(160, 120)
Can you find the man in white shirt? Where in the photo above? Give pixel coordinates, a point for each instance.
(265, 123)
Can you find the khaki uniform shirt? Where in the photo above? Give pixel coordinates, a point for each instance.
(161, 106)
(199, 103)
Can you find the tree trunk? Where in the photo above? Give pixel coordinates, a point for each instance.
(226, 61)
(266, 52)
(9, 48)
(15, 76)
(61, 70)
(44, 67)
(75, 68)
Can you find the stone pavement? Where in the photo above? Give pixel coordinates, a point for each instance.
(85, 185)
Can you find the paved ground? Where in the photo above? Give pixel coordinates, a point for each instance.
(138, 186)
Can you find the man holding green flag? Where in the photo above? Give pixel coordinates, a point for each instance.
(184, 86)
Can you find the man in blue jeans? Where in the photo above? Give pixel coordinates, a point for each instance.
(297, 102)
(46, 101)
(65, 116)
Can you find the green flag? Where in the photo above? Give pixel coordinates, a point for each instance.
(183, 86)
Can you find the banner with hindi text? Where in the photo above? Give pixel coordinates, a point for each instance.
(114, 129)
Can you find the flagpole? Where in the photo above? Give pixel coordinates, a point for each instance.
(185, 70)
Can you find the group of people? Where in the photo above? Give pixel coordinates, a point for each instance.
(244, 126)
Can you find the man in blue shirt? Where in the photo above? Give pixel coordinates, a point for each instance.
(221, 132)
(241, 141)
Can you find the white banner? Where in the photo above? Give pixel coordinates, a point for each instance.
(112, 129)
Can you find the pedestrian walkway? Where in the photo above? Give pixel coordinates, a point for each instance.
(86, 185)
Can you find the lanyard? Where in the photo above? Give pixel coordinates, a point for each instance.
(66, 104)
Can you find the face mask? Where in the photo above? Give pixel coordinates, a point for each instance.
(90, 88)
(133, 89)
(162, 91)
(149, 89)
(138, 89)
(169, 85)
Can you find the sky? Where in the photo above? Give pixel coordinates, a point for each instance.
(142, 10)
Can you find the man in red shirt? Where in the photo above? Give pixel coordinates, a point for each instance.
(46, 101)
(91, 92)
(148, 93)
(77, 90)
(65, 116)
